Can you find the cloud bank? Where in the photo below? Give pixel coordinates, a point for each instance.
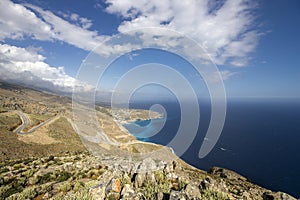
(226, 29)
(28, 67)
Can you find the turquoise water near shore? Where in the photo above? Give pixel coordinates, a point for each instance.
(260, 140)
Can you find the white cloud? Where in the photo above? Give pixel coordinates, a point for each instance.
(80, 21)
(20, 65)
(20, 21)
(223, 29)
(70, 33)
(226, 74)
(16, 22)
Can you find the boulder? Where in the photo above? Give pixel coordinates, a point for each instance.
(139, 180)
(192, 191)
(113, 186)
(176, 195)
(98, 192)
(127, 192)
(226, 174)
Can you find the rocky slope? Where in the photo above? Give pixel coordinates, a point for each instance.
(83, 176)
(52, 162)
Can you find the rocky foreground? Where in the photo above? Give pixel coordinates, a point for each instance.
(83, 176)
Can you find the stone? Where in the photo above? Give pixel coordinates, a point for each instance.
(161, 165)
(168, 168)
(284, 196)
(148, 164)
(98, 192)
(113, 186)
(192, 191)
(205, 184)
(113, 196)
(160, 196)
(173, 179)
(139, 180)
(225, 173)
(174, 195)
(127, 191)
(268, 196)
(176, 165)
(150, 177)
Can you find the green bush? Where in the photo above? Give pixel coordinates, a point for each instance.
(63, 176)
(47, 187)
(159, 176)
(77, 186)
(3, 170)
(150, 190)
(125, 180)
(82, 195)
(213, 195)
(33, 180)
(29, 173)
(28, 193)
(66, 187)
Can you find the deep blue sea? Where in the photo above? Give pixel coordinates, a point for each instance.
(260, 140)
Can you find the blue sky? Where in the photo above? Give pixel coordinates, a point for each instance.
(255, 44)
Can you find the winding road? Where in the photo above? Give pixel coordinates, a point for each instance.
(99, 137)
(26, 122)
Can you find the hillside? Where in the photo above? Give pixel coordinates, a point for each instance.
(42, 157)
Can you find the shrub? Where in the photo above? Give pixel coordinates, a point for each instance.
(213, 195)
(66, 187)
(33, 180)
(150, 190)
(159, 176)
(28, 173)
(47, 187)
(63, 176)
(77, 186)
(82, 195)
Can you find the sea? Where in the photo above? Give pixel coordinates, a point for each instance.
(260, 139)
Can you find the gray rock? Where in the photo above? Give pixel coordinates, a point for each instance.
(127, 192)
(113, 196)
(160, 196)
(147, 165)
(225, 173)
(168, 168)
(174, 180)
(98, 192)
(284, 196)
(161, 165)
(174, 195)
(114, 186)
(150, 177)
(176, 165)
(192, 191)
(139, 180)
(205, 184)
(268, 196)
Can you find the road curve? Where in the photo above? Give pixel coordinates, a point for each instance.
(26, 122)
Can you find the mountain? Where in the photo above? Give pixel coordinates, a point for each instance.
(47, 152)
